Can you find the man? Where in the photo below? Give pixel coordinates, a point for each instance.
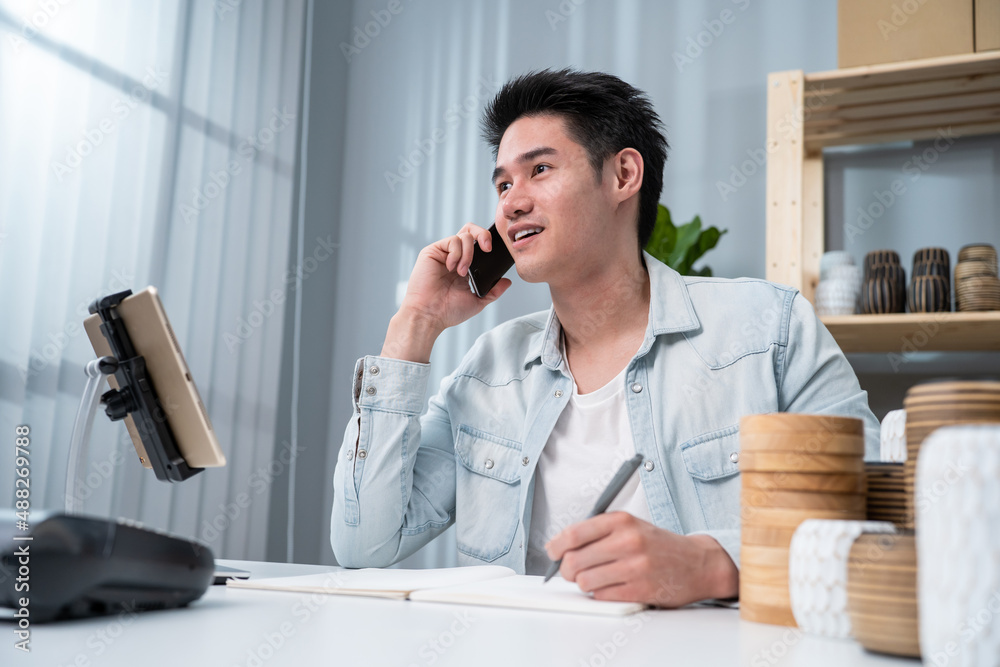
(632, 358)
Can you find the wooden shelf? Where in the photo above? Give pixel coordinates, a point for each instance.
(905, 333)
(917, 99)
(936, 98)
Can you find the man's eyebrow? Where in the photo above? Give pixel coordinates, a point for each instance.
(525, 157)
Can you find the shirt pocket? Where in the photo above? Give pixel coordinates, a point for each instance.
(712, 461)
(487, 493)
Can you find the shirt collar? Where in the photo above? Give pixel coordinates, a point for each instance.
(670, 311)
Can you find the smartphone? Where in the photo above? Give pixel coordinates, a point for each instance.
(488, 268)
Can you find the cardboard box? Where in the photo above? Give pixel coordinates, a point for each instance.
(883, 31)
(987, 25)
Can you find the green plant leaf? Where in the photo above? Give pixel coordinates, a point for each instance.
(687, 238)
(680, 247)
(708, 240)
(664, 235)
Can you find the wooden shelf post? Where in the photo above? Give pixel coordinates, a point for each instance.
(795, 226)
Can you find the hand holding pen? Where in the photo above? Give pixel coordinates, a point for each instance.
(615, 486)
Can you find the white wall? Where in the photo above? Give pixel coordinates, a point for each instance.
(413, 77)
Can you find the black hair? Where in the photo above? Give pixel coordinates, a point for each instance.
(602, 113)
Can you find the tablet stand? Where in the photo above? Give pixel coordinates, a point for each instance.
(135, 397)
(80, 442)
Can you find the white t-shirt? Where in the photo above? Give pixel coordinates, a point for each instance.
(590, 441)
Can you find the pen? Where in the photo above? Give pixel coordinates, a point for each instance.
(615, 486)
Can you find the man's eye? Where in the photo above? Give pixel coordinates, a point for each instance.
(541, 167)
(502, 187)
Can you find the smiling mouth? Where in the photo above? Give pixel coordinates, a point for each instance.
(524, 233)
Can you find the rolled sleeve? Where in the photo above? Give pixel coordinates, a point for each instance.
(391, 494)
(390, 385)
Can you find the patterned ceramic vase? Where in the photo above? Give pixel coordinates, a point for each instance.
(958, 545)
(817, 573)
(893, 440)
(930, 294)
(880, 296)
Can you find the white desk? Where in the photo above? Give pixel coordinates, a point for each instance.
(246, 628)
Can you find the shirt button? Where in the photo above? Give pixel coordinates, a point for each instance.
(648, 466)
(525, 461)
(558, 393)
(637, 387)
(362, 454)
(735, 457)
(350, 455)
(489, 464)
(370, 391)
(373, 370)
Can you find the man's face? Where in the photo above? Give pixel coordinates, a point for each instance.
(552, 212)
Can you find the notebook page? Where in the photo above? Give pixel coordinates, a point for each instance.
(375, 582)
(527, 592)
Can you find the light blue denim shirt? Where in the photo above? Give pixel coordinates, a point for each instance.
(714, 351)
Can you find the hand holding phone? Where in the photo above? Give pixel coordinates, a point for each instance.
(435, 298)
(487, 268)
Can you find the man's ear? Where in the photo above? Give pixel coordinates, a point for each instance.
(628, 170)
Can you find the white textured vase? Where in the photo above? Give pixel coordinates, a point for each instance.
(958, 545)
(837, 297)
(817, 573)
(893, 437)
(831, 259)
(852, 275)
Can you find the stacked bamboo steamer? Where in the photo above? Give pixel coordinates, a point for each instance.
(932, 405)
(882, 593)
(886, 492)
(793, 467)
(977, 286)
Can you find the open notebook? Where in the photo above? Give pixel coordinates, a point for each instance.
(487, 585)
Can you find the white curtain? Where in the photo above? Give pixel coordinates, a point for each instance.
(149, 143)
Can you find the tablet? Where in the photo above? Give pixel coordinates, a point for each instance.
(152, 337)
